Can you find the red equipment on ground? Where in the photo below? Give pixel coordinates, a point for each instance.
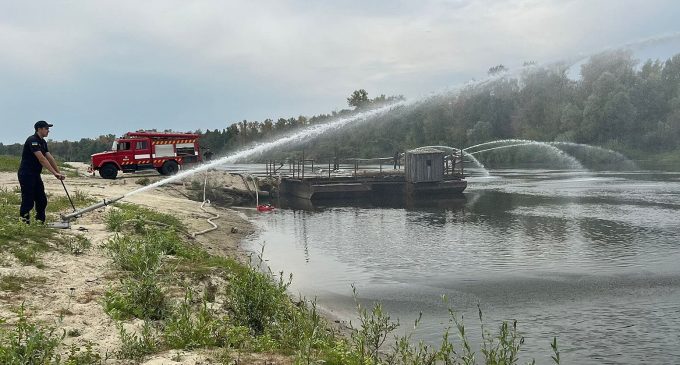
(136, 151)
(264, 208)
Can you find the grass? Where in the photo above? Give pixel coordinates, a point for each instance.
(61, 203)
(9, 163)
(144, 181)
(137, 346)
(188, 328)
(14, 283)
(26, 342)
(140, 218)
(27, 241)
(140, 297)
(77, 244)
(24, 241)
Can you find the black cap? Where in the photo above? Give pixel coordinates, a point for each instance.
(41, 124)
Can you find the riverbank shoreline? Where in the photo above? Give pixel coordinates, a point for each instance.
(65, 290)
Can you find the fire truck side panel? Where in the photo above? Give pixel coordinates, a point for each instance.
(187, 151)
(164, 150)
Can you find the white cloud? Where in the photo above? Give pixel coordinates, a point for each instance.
(313, 52)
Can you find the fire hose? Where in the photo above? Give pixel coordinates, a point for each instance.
(213, 215)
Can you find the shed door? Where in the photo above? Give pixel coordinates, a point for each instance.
(428, 164)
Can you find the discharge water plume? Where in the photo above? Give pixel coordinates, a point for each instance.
(625, 160)
(310, 132)
(627, 163)
(573, 162)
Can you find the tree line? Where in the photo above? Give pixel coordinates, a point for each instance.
(236, 135)
(617, 103)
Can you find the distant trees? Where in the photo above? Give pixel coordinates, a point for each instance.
(497, 69)
(68, 150)
(358, 99)
(617, 103)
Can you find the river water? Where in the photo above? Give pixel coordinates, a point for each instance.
(590, 257)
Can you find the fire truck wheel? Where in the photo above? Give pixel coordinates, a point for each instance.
(108, 171)
(169, 168)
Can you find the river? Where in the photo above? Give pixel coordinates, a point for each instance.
(590, 257)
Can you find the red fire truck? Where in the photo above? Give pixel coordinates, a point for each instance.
(136, 151)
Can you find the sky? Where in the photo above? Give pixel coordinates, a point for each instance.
(108, 67)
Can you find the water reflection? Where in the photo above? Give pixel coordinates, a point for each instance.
(589, 257)
(293, 203)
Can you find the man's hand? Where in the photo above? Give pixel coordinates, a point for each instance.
(60, 176)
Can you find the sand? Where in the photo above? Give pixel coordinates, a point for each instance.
(69, 291)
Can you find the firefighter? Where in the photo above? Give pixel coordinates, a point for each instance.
(207, 155)
(34, 157)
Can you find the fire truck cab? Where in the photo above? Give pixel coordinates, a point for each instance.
(136, 151)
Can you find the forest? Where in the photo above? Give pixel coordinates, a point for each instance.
(617, 102)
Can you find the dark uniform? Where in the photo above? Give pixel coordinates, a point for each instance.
(32, 188)
(207, 155)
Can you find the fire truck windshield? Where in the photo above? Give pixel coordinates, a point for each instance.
(114, 146)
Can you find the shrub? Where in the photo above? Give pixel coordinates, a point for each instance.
(186, 328)
(256, 300)
(27, 343)
(144, 181)
(134, 346)
(134, 254)
(140, 297)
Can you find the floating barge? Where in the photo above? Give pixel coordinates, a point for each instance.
(427, 173)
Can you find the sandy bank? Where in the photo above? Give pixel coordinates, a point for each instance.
(67, 291)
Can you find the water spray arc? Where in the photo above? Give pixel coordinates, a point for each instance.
(507, 143)
(307, 133)
(625, 160)
(573, 162)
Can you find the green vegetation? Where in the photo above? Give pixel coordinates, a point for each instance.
(29, 343)
(24, 241)
(14, 283)
(188, 329)
(9, 163)
(27, 241)
(617, 104)
(66, 150)
(77, 244)
(136, 346)
(143, 181)
(60, 203)
(138, 296)
(138, 218)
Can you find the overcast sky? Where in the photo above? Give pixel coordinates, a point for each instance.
(100, 67)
